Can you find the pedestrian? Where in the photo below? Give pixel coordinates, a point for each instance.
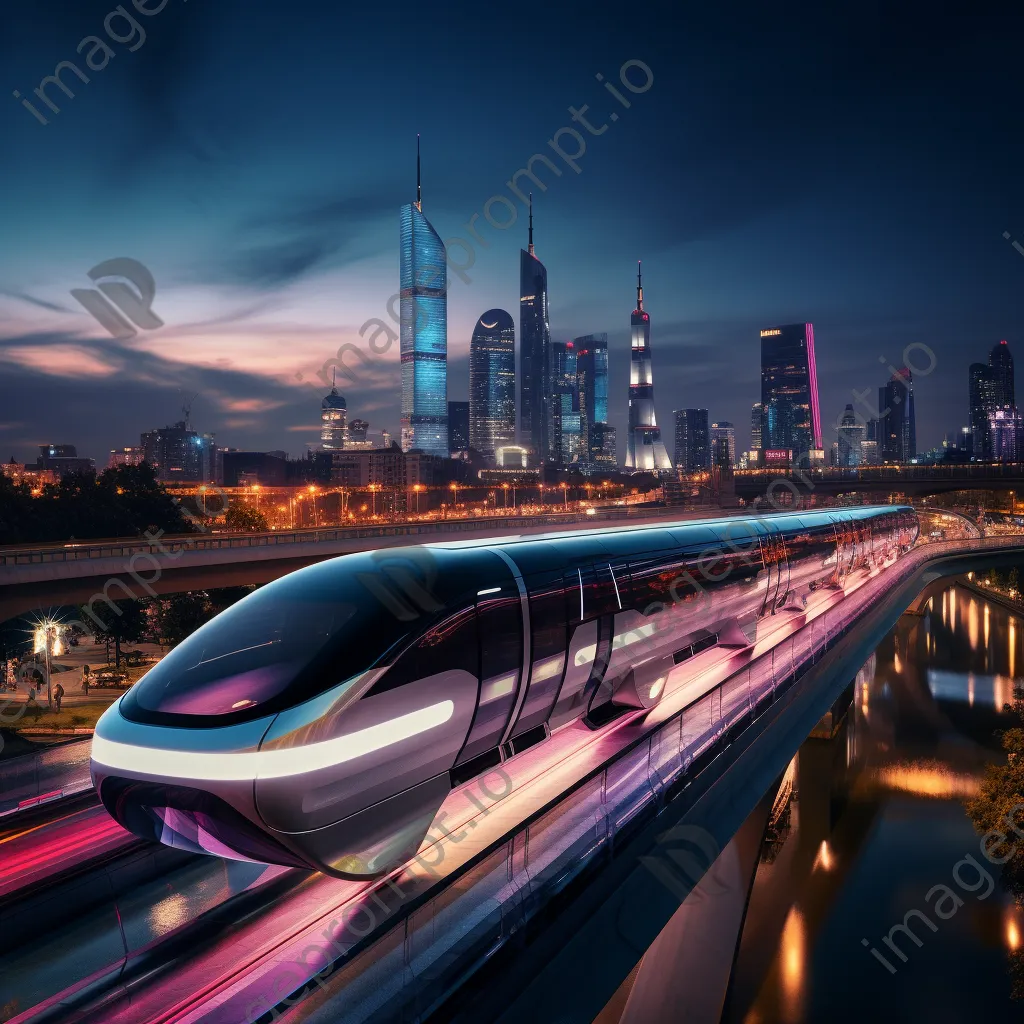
(85, 679)
(58, 696)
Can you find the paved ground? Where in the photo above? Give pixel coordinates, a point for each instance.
(68, 672)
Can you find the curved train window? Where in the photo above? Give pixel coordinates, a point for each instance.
(661, 581)
(547, 616)
(446, 645)
(501, 634)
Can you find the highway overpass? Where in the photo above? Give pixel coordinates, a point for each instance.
(46, 576)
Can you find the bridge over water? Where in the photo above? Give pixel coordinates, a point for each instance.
(614, 865)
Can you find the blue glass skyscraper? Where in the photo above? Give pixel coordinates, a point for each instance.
(492, 383)
(592, 380)
(535, 398)
(424, 330)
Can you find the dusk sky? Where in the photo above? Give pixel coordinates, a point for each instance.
(854, 168)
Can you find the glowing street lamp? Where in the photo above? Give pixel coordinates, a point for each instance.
(455, 490)
(47, 641)
(565, 494)
(373, 490)
(504, 487)
(418, 490)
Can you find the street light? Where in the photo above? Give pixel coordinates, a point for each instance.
(373, 492)
(47, 640)
(417, 490)
(504, 487)
(455, 489)
(565, 494)
(316, 520)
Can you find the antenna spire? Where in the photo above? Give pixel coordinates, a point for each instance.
(334, 379)
(639, 287)
(531, 224)
(419, 187)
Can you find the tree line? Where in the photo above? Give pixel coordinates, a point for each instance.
(125, 501)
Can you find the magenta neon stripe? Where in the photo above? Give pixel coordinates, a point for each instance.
(813, 369)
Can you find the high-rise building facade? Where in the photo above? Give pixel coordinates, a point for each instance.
(565, 416)
(1006, 430)
(333, 421)
(723, 444)
(458, 427)
(534, 353)
(756, 426)
(180, 453)
(693, 442)
(424, 330)
(850, 443)
(897, 426)
(492, 383)
(789, 391)
(991, 388)
(644, 448)
(597, 439)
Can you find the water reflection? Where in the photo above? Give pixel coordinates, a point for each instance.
(873, 819)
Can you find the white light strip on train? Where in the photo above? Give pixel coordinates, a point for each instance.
(246, 765)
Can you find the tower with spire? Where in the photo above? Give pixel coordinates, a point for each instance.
(535, 391)
(644, 448)
(424, 329)
(333, 419)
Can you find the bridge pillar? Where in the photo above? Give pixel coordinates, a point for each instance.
(684, 976)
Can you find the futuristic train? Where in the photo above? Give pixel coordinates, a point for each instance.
(322, 721)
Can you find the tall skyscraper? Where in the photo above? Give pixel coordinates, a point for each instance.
(990, 389)
(789, 390)
(458, 426)
(1003, 389)
(756, 426)
(850, 443)
(897, 427)
(723, 444)
(644, 447)
(534, 353)
(597, 438)
(333, 420)
(424, 330)
(566, 417)
(492, 383)
(693, 443)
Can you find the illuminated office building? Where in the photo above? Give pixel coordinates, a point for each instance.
(492, 383)
(644, 448)
(723, 444)
(897, 427)
(850, 444)
(566, 415)
(791, 418)
(693, 443)
(424, 330)
(597, 438)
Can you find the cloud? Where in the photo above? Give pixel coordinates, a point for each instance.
(60, 360)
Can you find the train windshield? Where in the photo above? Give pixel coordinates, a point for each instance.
(283, 644)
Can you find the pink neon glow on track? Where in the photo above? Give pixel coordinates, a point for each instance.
(813, 368)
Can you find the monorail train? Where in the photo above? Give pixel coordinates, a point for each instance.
(322, 721)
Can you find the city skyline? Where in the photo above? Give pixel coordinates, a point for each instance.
(270, 244)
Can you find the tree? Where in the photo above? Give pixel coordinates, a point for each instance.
(180, 615)
(245, 518)
(119, 622)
